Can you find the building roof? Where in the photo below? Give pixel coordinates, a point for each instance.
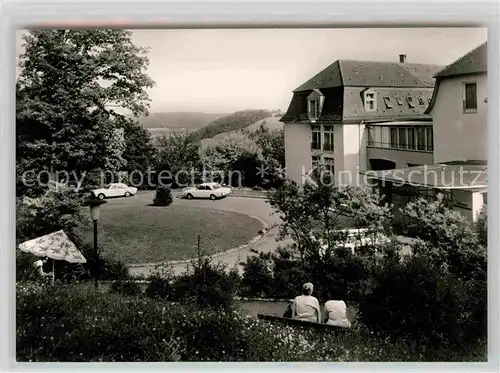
(453, 175)
(474, 62)
(372, 74)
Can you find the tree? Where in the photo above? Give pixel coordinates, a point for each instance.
(445, 235)
(178, 154)
(140, 154)
(315, 216)
(73, 88)
(236, 154)
(482, 226)
(272, 147)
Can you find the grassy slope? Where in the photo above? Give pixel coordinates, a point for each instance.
(232, 122)
(272, 123)
(141, 234)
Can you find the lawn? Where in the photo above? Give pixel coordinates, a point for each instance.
(145, 234)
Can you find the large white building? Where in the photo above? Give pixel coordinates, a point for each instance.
(412, 127)
(459, 168)
(356, 115)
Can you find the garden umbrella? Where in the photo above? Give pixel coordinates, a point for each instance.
(56, 246)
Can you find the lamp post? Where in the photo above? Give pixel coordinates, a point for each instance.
(95, 212)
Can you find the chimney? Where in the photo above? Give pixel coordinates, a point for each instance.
(402, 58)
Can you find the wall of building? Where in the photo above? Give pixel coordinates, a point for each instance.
(400, 157)
(350, 153)
(297, 150)
(459, 135)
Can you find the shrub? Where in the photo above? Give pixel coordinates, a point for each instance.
(163, 196)
(77, 323)
(126, 288)
(208, 285)
(482, 226)
(257, 279)
(417, 300)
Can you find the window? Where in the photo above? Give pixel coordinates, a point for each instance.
(394, 138)
(330, 165)
(430, 139)
(411, 138)
(328, 138)
(470, 97)
(315, 161)
(409, 99)
(371, 136)
(370, 101)
(420, 138)
(421, 101)
(313, 109)
(316, 138)
(385, 137)
(399, 101)
(402, 138)
(388, 103)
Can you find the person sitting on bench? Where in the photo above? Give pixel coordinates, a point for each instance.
(336, 313)
(305, 306)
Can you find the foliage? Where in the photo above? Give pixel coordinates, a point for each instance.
(131, 288)
(76, 323)
(163, 196)
(272, 146)
(235, 152)
(140, 154)
(445, 234)
(231, 122)
(315, 216)
(178, 155)
(417, 300)
(482, 226)
(70, 87)
(207, 284)
(59, 207)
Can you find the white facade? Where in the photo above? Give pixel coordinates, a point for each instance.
(460, 134)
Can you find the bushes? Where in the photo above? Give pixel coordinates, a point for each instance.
(207, 285)
(126, 288)
(417, 300)
(76, 323)
(163, 196)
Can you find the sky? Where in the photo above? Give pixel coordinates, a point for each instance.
(224, 70)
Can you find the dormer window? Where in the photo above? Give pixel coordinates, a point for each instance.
(421, 101)
(409, 99)
(369, 100)
(399, 101)
(313, 109)
(315, 102)
(387, 102)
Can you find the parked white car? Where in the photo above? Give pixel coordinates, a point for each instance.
(114, 190)
(207, 190)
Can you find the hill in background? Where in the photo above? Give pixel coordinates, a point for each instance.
(179, 120)
(231, 122)
(271, 122)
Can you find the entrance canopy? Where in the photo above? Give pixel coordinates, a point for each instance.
(471, 176)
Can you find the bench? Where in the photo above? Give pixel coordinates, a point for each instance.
(296, 322)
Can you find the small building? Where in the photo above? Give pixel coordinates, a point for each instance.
(358, 115)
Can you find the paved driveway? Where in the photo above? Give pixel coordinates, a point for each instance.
(256, 207)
